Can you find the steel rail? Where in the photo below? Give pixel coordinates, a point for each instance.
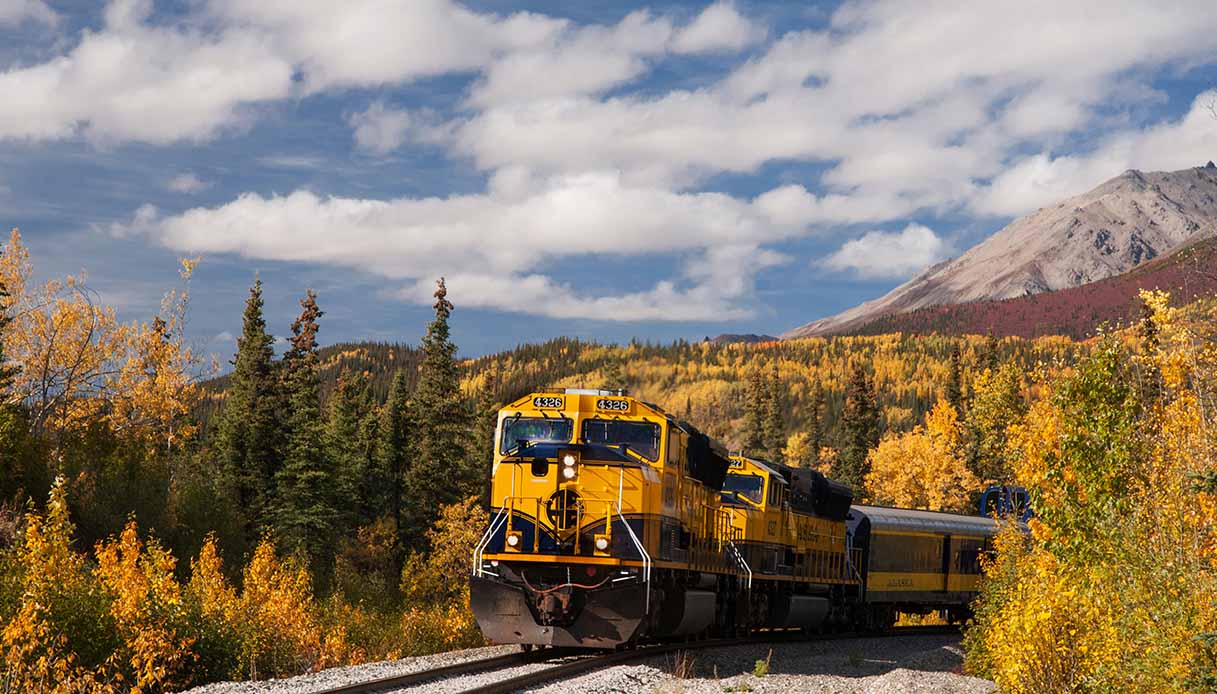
(586, 662)
(603, 660)
(446, 671)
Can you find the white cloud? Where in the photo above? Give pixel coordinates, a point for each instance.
(373, 42)
(1043, 179)
(907, 102)
(291, 161)
(187, 182)
(894, 255)
(380, 129)
(720, 27)
(135, 81)
(509, 234)
(14, 12)
(583, 60)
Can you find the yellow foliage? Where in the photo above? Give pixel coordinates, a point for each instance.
(1115, 584)
(78, 364)
(146, 606)
(38, 655)
(797, 452)
(923, 468)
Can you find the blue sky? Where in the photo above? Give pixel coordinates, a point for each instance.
(599, 169)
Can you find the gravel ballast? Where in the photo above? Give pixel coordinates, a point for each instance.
(340, 676)
(893, 665)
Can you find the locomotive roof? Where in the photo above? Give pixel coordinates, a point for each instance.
(910, 520)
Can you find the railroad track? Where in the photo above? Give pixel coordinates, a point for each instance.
(580, 661)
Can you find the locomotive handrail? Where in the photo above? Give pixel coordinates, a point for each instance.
(740, 559)
(479, 551)
(646, 557)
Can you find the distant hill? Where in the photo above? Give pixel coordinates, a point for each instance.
(1129, 220)
(747, 338)
(1077, 312)
(377, 360)
(703, 382)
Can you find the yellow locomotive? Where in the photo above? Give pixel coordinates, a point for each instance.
(614, 522)
(606, 525)
(793, 536)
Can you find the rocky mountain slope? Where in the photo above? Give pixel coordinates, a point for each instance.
(1188, 274)
(1130, 219)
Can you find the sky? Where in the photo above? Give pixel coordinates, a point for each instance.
(603, 170)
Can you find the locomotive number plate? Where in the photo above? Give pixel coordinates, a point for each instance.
(546, 402)
(612, 405)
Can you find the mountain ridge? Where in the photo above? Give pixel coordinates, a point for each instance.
(1116, 226)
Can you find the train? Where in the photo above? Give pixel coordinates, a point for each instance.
(615, 523)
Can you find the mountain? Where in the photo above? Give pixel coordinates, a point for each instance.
(1077, 312)
(1132, 218)
(747, 338)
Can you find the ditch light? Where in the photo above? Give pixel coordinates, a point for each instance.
(570, 465)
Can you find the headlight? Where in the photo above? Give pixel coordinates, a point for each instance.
(568, 473)
(569, 460)
(513, 539)
(602, 543)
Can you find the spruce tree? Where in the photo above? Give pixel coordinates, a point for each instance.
(351, 444)
(954, 387)
(614, 376)
(754, 411)
(305, 510)
(7, 372)
(773, 426)
(248, 438)
(440, 475)
(815, 428)
(1150, 337)
(485, 419)
(860, 422)
(395, 453)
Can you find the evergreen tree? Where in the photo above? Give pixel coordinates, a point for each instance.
(756, 397)
(815, 429)
(991, 354)
(485, 419)
(248, 442)
(6, 372)
(351, 443)
(774, 428)
(395, 454)
(305, 510)
(614, 376)
(954, 387)
(1149, 335)
(440, 475)
(860, 422)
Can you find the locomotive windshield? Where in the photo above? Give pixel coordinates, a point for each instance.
(535, 430)
(748, 486)
(640, 437)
